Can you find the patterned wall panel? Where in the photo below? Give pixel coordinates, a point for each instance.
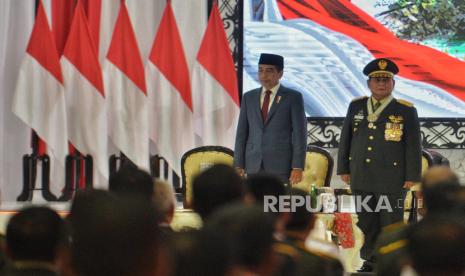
(441, 133)
(324, 132)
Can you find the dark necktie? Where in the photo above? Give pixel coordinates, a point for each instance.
(376, 106)
(265, 105)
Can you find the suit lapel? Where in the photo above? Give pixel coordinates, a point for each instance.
(280, 96)
(257, 106)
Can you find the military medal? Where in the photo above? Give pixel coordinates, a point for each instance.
(394, 129)
(370, 125)
(372, 118)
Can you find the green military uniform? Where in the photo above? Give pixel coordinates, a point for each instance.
(297, 260)
(391, 250)
(380, 147)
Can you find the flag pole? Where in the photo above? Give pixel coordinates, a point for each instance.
(30, 162)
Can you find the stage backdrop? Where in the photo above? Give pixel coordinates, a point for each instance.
(326, 44)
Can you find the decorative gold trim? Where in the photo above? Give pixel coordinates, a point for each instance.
(382, 72)
(285, 249)
(404, 102)
(392, 247)
(393, 226)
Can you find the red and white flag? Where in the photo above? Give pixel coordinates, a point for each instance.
(39, 99)
(126, 93)
(169, 92)
(85, 98)
(214, 87)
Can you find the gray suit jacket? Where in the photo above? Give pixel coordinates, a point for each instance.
(280, 142)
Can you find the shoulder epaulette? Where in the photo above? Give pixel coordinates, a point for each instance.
(359, 98)
(394, 226)
(286, 249)
(393, 246)
(404, 102)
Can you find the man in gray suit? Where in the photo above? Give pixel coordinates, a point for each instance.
(272, 128)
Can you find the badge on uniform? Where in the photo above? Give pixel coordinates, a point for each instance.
(394, 128)
(357, 119)
(359, 116)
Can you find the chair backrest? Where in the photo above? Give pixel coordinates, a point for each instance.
(198, 159)
(318, 169)
(426, 161)
(431, 158)
(428, 158)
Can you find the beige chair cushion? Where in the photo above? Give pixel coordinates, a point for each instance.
(316, 168)
(408, 197)
(199, 161)
(424, 165)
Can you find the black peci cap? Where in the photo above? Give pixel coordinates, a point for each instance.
(272, 59)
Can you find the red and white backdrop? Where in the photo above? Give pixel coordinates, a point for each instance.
(110, 76)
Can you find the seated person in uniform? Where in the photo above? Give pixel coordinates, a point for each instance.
(296, 258)
(438, 185)
(437, 245)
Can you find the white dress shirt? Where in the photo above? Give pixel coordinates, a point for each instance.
(273, 90)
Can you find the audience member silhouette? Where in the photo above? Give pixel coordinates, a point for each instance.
(250, 234)
(263, 184)
(35, 238)
(165, 204)
(201, 252)
(439, 186)
(113, 235)
(436, 245)
(215, 187)
(130, 180)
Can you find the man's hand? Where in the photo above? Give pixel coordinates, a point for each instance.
(240, 172)
(346, 178)
(296, 176)
(409, 184)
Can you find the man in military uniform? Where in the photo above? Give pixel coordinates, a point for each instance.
(295, 257)
(439, 183)
(379, 153)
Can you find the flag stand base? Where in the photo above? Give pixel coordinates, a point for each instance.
(30, 162)
(74, 173)
(117, 162)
